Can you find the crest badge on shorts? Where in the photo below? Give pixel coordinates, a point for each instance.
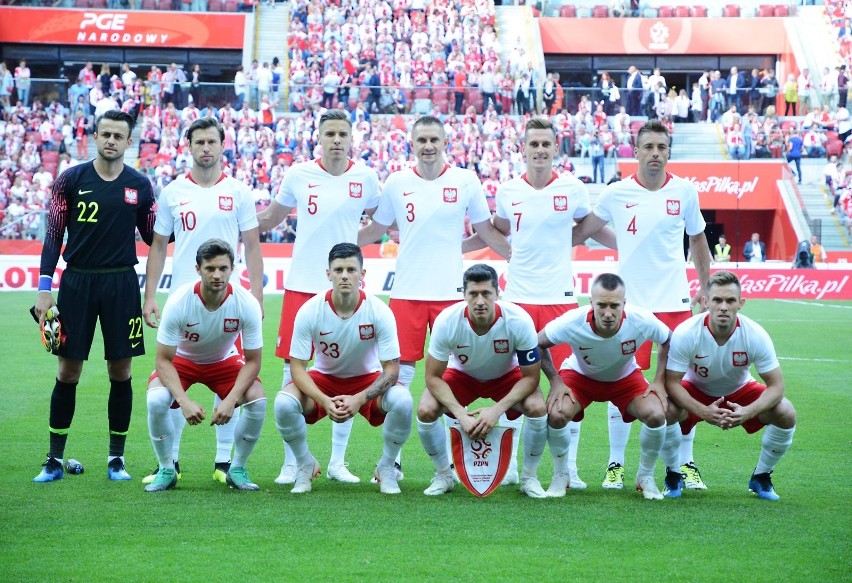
(481, 463)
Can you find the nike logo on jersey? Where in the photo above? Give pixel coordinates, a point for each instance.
(82, 192)
(191, 325)
(517, 203)
(325, 333)
(630, 206)
(407, 193)
(696, 356)
(312, 185)
(459, 346)
(184, 202)
(135, 344)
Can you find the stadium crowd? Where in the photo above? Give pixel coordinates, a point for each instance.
(384, 64)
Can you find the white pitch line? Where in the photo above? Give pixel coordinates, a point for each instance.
(815, 304)
(812, 359)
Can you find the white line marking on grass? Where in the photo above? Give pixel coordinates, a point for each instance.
(815, 304)
(812, 359)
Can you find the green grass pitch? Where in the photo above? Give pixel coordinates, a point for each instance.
(85, 528)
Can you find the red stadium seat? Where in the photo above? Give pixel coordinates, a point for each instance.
(440, 92)
(81, 3)
(148, 5)
(600, 11)
(232, 5)
(625, 151)
(699, 11)
(765, 10)
(568, 11)
(682, 12)
(216, 5)
(148, 150)
(787, 124)
(665, 12)
(731, 10)
(100, 4)
(782, 10)
(474, 98)
(833, 148)
(421, 93)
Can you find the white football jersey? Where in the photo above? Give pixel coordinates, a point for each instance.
(329, 210)
(485, 357)
(541, 226)
(720, 370)
(605, 359)
(195, 214)
(345, 348)
(649, 228)
(206, 337)
(430, 216)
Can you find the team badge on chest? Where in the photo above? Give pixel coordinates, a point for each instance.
(673, 207)
(131, 196)
(226, 203)
(451, 194)
(560, 203)
(501, 346)
(628, 347)
(740, 358)
(355, 189)
(232, 324)
(366, 331)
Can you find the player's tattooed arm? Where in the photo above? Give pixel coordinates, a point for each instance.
(386, 379)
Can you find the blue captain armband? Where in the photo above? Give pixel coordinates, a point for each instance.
(528, 357)
(45, 283)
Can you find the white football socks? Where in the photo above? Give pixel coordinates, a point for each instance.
(574, 428)
(339, 441)
(619, 434)
(292, 427)
(247, 431)
(432, 436)
(774, 445)
(651, 440)
(559, 441)
(398, 403)
(535, 438)
(670, 451)
(225, 435)
(686, 443)
(160, 426)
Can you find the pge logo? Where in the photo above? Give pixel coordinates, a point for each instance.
(103, 21)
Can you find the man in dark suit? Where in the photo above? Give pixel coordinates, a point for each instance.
(736, 86)
(634, 89)
(755, 250)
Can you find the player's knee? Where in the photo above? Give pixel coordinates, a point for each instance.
(556, 420)
(654, 418)
(398, 399)
(255, 408)
(428, 410)
(254, 392)
(784, 415)
(674, 414)
(159, 399)
(285, 406)
(534, 406)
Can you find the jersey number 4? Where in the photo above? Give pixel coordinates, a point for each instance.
(631, 228)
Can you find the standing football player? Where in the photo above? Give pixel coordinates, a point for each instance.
(101, 204)
(203, 205)
(330, 195)
(651, 211)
